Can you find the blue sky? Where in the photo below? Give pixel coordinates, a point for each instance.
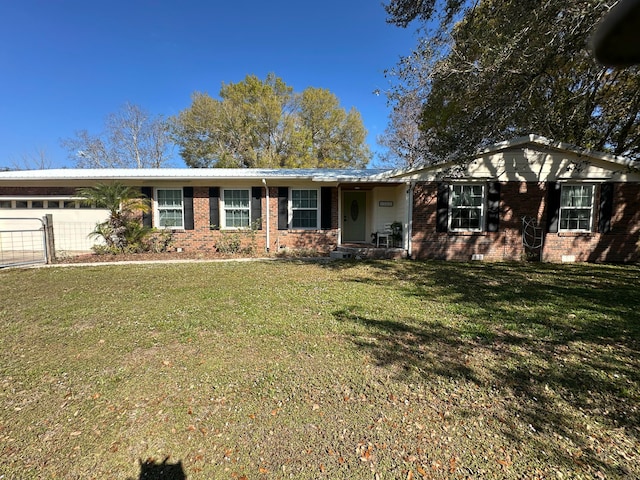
(65, 65)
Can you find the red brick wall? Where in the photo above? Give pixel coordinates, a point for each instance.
(518, 199)
(202, 238)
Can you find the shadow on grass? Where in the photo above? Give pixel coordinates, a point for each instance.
(152, 470)
(563, 340)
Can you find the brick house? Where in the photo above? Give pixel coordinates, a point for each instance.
(526, 198)
(529, 197)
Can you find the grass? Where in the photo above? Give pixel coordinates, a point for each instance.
(306, 370)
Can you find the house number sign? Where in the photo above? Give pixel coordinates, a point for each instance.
(385, 203)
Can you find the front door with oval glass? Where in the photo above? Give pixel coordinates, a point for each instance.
(354, 216)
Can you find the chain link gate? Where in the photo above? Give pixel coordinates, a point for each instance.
(23, 241)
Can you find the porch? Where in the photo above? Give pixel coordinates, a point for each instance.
(369, 212)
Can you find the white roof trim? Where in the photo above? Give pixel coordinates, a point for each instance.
(522, 141)
(316, 175)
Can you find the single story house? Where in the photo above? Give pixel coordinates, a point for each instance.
(525, 198)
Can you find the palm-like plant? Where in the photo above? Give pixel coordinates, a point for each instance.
(122, 229)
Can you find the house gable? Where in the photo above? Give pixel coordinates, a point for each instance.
(531, 159)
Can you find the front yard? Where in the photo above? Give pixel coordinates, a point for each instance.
(286, 369)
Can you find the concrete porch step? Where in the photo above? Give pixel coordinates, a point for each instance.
(365, 251)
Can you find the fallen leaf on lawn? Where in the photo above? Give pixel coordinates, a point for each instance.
(409, 475)
(315, 407)
(366, 455)
(263, 470)
(75, 434)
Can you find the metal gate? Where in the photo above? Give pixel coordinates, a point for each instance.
(23, 241)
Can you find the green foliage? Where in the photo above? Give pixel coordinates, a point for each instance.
(122, 231)
(509, 68)
(264, 124)
(158, 241)
(242, 241)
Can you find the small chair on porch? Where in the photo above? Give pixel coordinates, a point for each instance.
(385, 236)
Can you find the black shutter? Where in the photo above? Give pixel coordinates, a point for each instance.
(214, 208)
(606, 207)
(442, 208)
(493, 207)
(283, 208)
(187, 198)
(553, 206)
(256, 207)
(326, 205)
(147, 217)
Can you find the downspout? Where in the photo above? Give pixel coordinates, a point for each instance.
(339, 215)
(409, 228)
(268, 239)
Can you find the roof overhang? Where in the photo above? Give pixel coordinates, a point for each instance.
(194, 176)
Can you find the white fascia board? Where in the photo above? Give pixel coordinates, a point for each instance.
(184, 174)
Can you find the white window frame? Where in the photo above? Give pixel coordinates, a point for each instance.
(562, 210)
(482, 207)
(224, 209)
(158, 209)
(292, 209)
(9, 202)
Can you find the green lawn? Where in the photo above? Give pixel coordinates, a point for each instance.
(283, 369)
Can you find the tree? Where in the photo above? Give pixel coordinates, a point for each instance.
(512, 67)
(263, 123)
(132, 139)
(122, 230)
(35, 160)
(402, 137)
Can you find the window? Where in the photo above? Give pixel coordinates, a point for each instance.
(236, 208)
(169, 208)
(304, 208)
(466, 212)
(5, 203)
(576, 208)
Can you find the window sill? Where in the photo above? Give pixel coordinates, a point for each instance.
(467, 233)
(575, 233)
